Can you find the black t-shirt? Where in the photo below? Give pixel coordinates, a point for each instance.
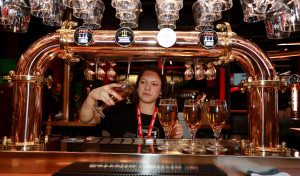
(121, 121)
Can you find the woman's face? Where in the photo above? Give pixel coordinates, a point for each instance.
(149, 87)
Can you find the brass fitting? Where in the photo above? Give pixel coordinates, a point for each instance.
(38, 79)
(65, 31)
(227, 33)
(277, 83)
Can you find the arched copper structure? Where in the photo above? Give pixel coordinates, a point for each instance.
(28, 96)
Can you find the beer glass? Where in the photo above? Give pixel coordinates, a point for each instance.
(166, 24)
(6, 13)
(124, 91)
(37, 9)
(254, 10)
(166, 15)
(68, 3)
(227, 4)
(55, 13)
(217, 116)
(193, 117)
(297, 9)
(21, 19)
(133, 23)
(168, 115)
(198, 18)
(291, 24)
(210, 10)
(80, 8)
(274, 23)
(95, 15)
(124, 5)
(170, 5)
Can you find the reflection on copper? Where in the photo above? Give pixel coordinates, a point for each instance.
(66, 93)
(294, 100)
(262, 101)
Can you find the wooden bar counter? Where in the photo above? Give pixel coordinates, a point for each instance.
(55, 155)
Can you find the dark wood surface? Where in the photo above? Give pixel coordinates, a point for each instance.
(47, 163)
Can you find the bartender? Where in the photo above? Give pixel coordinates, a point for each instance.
(121, 120)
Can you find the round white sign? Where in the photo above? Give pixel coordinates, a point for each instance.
(166, 37)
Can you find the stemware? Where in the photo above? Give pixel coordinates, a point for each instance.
(193, 117)
(200, 72)
(217, 116)
(168, 115)
(89, 74)
(189, 73)
(111, 74)
(211, 72)
(124, 91)
(100, 73)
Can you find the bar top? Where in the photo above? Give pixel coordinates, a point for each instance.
(58, 154)
(48, 163)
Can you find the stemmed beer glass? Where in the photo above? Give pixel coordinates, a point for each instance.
(193, 117)
(124, 91)
(217, 116)
(168, 115)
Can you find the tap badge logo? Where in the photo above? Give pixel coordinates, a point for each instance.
(166, 37)
(83, 36)
(124, 33)
(208, 39)
(124, 37)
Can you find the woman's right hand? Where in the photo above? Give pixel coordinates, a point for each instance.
(104, 94)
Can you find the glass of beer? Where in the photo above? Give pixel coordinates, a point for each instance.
(217, 116)
(168, 115)
(193, 117)
(124, 91)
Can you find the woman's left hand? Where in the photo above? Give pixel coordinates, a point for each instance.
(177, 131)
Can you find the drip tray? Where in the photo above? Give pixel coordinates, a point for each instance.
(138, 169)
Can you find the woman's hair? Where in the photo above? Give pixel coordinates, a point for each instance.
(156, 69)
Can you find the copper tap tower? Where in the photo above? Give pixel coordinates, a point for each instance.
(262, 100)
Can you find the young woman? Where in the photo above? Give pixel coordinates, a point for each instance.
(121, 119)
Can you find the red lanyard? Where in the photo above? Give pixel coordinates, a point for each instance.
(139, 118)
